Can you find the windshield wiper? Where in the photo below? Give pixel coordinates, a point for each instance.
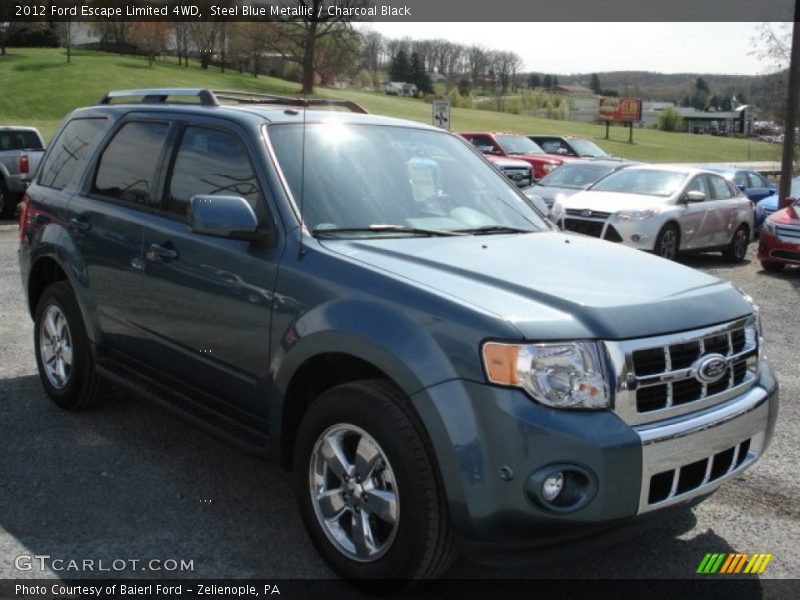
(386, 228)
(487, 229)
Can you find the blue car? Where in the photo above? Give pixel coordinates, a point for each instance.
(769, 205)
(755, 187)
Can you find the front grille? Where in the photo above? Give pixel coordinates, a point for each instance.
(658, 378)
(785, 254)
(585, 213)
(673, 483)
(521, 177)
(666, 376)
(592, 228)
(788, 233)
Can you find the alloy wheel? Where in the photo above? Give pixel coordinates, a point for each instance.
(354, 492)
(55, 347)
(669, 242)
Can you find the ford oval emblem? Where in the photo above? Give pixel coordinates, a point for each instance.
(586, 213)
(710, 368)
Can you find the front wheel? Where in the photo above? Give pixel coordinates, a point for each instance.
(7, 202)
(367, 486)
(668, 242)
(737, 249)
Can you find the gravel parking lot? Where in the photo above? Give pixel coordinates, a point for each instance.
(130, 481)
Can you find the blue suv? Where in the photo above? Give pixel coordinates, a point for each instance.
(371, 303)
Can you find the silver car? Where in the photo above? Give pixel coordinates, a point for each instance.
(663, 209)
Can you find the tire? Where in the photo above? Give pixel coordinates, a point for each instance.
(411, 535)
(737, 249)
(771, 267)
(668, 242)
(67, 373)
(8, 202)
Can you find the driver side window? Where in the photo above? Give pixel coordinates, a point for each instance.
(699, 184)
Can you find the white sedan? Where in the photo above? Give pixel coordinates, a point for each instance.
(663, 209)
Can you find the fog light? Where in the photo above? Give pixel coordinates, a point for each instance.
(552, 486)
(637, 238)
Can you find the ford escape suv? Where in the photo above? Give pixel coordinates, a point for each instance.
(371, 303)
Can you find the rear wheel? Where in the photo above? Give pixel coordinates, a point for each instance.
(368, 490)
(63, 354)
(737, 249)
(668, 242)
(772, 267)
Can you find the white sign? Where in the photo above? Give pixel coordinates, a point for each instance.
(441, 114)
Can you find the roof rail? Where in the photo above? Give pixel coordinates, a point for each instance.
(259, 98)
(160, 95)
(212, 98)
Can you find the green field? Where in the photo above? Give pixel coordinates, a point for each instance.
(39, 88)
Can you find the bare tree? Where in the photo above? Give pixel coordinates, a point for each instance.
(64, 32)
(372, 46)
(204, 35)
(181, 34)
(477, 63)
(151, 38)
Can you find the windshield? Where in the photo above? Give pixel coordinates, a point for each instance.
(587, 148)
(379, 180)
(575, 176)
(642, 181)
(518, 144)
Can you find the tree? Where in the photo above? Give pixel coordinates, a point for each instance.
(337, 55)
(181, 34)
(151, 38)
(594, 84)
(548, 81)
(670, 119)
(400, 67)
(204, 35)
(555, 79)
(419, 76)
(477, 62)
(534, 81)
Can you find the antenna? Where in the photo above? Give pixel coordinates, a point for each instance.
(302, 249)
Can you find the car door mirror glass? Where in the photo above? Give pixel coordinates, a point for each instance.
(225, 216)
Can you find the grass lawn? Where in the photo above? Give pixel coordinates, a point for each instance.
(39, 88)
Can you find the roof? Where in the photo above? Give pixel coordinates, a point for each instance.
(18, 128)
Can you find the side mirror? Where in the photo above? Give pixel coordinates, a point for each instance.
(694, 196)
(770, 192)
(562, 151)
(226, 217)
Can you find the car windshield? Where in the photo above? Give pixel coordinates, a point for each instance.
(642, 181)
(576, 176)
(379, 180)
(518, 144)
(587, 148)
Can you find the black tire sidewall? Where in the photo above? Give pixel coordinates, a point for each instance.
(349, 404)
(732, 250)
(69, 397)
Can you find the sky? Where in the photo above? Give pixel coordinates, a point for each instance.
(595, 47)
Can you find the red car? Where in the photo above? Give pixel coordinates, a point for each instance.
(779, 242)
(512, 145)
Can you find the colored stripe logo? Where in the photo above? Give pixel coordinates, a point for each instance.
(733, 563)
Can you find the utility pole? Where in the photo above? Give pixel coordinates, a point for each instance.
(791, 111)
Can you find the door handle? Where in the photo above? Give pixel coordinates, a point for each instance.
(165, 252)
(79, 224)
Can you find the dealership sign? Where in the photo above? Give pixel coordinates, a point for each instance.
(626, 110)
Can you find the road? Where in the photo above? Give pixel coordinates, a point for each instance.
(129, 481)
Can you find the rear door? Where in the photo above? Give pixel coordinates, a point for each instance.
(723, 215)
(209, 299)
(693, 219)
(106, 222)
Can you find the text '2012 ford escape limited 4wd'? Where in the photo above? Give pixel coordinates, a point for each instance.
(376, 306)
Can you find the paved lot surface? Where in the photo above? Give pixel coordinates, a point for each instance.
(129, 481)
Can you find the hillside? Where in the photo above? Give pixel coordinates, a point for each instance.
(41, 88)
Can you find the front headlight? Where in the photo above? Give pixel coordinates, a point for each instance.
(759, 210)
(561, 375)
(769, 227)
(635, 215)
(557, 211)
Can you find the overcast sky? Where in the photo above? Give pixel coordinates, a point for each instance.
(589, 47)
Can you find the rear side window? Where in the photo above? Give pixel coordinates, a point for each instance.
(19, 140)
(211, 162)
(756, 181)
(70, 151)
(720, 190)
(127, 168)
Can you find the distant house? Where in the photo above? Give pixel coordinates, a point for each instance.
(437, 77)
(399, 88)
(577, 90)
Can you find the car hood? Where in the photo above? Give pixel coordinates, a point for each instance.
(552, 285)
(612, 201)
(550, 193)
(786, 216)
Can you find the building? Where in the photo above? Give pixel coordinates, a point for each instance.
(399, 88)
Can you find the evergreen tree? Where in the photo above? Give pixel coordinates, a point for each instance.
(594, 84)
(400, 68)
(419, 76)
(548, 81)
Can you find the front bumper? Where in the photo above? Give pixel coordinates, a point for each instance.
(488, 441)
(636, 234)
(772, 249)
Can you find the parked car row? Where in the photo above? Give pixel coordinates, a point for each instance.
(779, 243)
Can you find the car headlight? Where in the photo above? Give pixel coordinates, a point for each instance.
(769, 226)
(759, 210)
(635, 215)
(561, 375)
(557, 211)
